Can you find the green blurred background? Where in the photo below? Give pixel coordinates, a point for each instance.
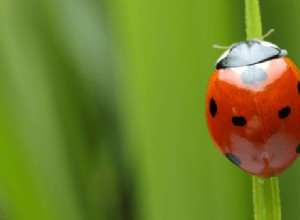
(102, 109)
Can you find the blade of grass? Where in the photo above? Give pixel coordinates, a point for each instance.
(252, 19)
(266, 198)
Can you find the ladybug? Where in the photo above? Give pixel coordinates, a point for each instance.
(253, 107)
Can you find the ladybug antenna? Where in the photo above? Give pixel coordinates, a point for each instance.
(220, 47)
(268, 34)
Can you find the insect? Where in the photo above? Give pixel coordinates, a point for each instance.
(253, 107)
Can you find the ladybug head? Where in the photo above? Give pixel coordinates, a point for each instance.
(248, 53)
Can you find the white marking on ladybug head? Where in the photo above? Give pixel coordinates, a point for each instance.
(269, 44)
(223, 56)
(248, 53)
(263, 65)
(239, 70)
(253, 75)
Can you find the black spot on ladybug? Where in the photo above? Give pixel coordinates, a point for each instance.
(299, 87)
(213, 107)
(284, 112)
(298, 149)
(239, 121)
(233, 159)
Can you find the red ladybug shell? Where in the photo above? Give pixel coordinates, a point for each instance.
(253, 108)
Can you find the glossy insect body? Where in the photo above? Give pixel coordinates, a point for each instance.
(253, 107)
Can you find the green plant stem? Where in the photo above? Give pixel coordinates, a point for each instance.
(266, 198)
(252, 18)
